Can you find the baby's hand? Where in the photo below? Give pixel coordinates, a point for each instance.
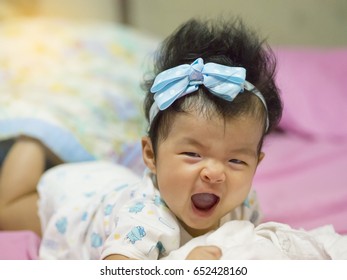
(205, 253)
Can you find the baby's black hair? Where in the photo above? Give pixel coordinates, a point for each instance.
(226, 42)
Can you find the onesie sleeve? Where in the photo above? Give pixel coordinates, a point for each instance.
(143, 231)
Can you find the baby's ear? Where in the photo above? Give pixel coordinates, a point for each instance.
(148, 153)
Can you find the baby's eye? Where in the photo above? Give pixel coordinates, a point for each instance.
(191, 154)
(236, 161)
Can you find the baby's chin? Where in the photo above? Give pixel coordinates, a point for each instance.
(195, 229)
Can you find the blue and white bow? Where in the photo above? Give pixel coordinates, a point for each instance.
(223, 81)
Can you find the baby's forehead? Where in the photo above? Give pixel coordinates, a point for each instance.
(195, 130)
(204, 112)
(196, 122)
(196, 117)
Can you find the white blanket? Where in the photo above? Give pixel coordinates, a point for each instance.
(242, 240)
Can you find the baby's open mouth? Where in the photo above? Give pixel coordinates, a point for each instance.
(204, 201)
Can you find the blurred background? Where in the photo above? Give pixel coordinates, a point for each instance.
(284, 22)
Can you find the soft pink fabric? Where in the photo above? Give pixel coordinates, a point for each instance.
(313, 83)
(303, 182)
(18, 245)
(303, 179)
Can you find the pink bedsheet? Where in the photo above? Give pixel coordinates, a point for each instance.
(303, 182)
(314, 90)
(18, 245)
(303, 179)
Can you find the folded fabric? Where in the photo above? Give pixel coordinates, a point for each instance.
(242, 240)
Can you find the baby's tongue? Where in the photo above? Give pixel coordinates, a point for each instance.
(204, 201)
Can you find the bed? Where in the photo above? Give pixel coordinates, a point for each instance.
(301, 182)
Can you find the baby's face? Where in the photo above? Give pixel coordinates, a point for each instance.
(205, 167)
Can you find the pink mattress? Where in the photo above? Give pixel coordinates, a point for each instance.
(303, 182)
(303, 179)
(19, 245)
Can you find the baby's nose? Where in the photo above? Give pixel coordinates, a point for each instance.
(213, 173)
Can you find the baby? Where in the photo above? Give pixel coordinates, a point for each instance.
(209, 105)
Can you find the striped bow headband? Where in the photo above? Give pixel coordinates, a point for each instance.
(223, 81)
